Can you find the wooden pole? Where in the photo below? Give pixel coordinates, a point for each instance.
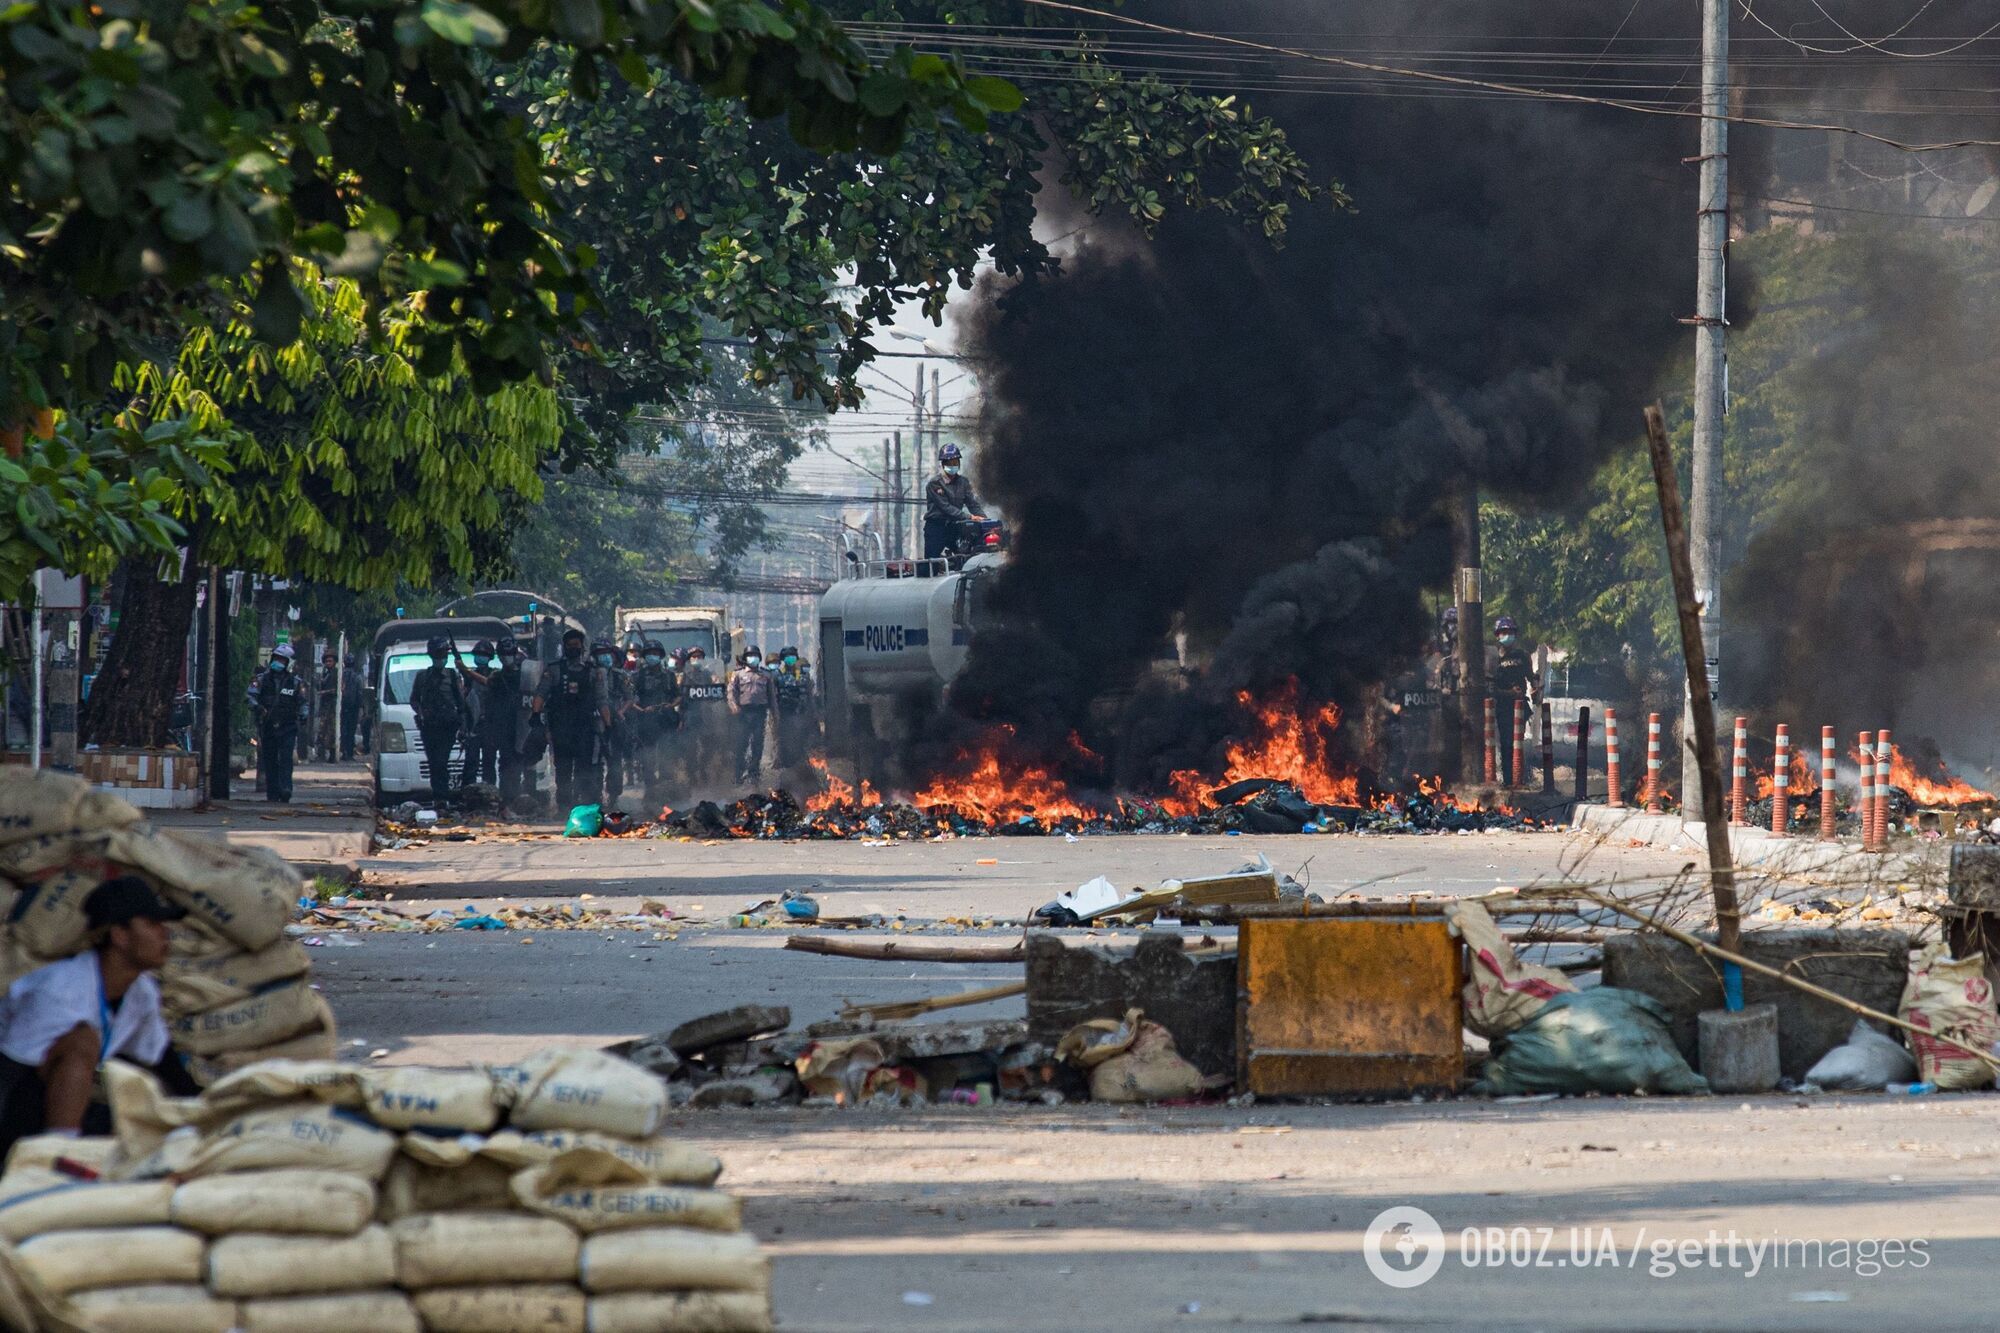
(889, 951)
(1722, 878)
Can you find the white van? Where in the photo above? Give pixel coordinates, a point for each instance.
(400, 651)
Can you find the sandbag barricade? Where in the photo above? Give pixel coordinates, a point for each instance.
(235, 989)
(297, 1195)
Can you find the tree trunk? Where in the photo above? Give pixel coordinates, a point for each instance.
(132, 700)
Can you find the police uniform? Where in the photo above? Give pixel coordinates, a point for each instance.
(948, 501)
(279, 697)
(438, 696)
(795, 713)
(617, 736)
(573, 694)
(504, 727)
(656, 693)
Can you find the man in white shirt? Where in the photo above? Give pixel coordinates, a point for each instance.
(60, 1023)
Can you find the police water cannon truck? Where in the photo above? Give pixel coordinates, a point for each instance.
(893, 633)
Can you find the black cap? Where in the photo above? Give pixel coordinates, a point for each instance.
(127, 898)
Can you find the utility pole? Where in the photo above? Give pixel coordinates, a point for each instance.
(1471, 630)
(896, 500)
(1711, 365)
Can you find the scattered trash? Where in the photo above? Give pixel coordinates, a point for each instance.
(1502, 992)
(585, 821)
(1951, 997)
(480, 923)
(1867, 1061)
(1082, 903)
(1602, 1040)
(1130, 1060)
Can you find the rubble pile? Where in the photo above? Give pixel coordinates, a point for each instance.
(235, 989)
(311, 1195)
(1255, 806)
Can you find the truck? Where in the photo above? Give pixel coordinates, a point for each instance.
(892, 632)
(686, 627)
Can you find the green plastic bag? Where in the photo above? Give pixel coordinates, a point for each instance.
(585, 821)
(1602, 1040)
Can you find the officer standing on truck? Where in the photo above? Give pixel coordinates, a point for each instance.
(948, 501)
(751, 695)
(437, 696)
(617, 733)
(278, 696)
(503, 722)
(655, 714)
(575, 700)
(794, 683)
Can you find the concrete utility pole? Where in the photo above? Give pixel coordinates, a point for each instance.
(1471, 630)
(1711, 363)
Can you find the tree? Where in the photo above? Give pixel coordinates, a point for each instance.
(149, 147)
(351, 465)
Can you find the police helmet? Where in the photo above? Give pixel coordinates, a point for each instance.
(438, 646)
(648, 648)
(509, 648)
(574, 633)
(284, 650)
(483, 649)
(752, 651)
(948, 454)
(601, 647)
(787, 651)
(1506, 625)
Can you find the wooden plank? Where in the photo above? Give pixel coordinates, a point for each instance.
(888, 951)
(1349, 1006)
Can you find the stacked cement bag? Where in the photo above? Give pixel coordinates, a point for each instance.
(235, 989)
(317, 1197)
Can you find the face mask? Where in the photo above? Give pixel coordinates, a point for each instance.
(654, 659)
(280, 664)
(1506, 638)
(791, 661)
(752, 661)
(951, 469)
(573, 651)
(604, 659)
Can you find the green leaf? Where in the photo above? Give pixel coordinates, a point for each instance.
(362, 255)
(189, 218)
(580, 21)
(993, 94)
(463, 24)
(276, 312)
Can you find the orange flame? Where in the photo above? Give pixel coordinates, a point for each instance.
(1000, 787)
(837, 794)
(1929, 792)
(1804, 781)
(1287, 745)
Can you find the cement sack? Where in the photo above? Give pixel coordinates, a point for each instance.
(288, 1202)
(673, 1259)
(668, 1161)
(67, 1261)
(1603, 1040)
(92, 1151)
(581, 1089)
(472, 1249)
(1149, 1070)
(1501, 991)
(40, 801)
(244, 893)
(411, 1187)
(82, 1204)
(31, 1180)
(190, 983)
(595, 1191)
(541, 1308)
(251, 1264)
(1089, 1044)
(460, 1100)
(284, 1010)
(270, 1081)
(142, 1115)
(386, 1311)
(55, 875)
(304, 1134)
(155, 1309)
(22, 1304)
(681, 1312)
(307, 1046)
(1867, 1061)
(1947, 997)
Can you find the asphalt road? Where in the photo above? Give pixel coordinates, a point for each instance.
(1587, 1213)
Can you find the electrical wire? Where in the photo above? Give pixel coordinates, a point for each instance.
(1509, 89)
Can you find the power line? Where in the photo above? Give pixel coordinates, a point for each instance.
(1512, 89)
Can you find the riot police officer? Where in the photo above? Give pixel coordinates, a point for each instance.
(479, 757)
(948, 502)
(617, 732)
(655, 713)
(574, 698)
(279, 697)
(437, 696)
(794, 683)
(750, 695)
(503, 723)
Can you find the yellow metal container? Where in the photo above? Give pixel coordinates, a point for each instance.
(1334, 1006)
